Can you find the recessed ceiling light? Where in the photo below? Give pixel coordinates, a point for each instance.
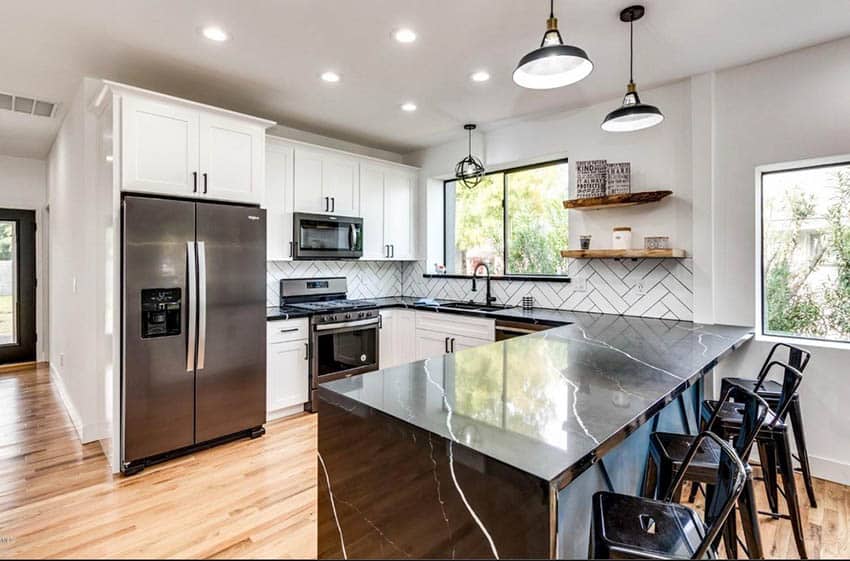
(404, 35)
(480, 76)
(215, 33)
(330, 76)
(409, 107)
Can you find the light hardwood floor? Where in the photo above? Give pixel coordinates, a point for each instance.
(243, 499)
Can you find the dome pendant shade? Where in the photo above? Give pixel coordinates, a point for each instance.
(553, 64)
(469, 171)
(632, 115)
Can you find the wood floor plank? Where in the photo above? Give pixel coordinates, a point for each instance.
(246, 499)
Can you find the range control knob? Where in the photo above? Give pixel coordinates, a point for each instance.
(347, 316)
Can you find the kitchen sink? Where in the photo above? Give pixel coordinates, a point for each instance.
(472, 307)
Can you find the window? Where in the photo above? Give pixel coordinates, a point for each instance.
(805, 251)
(514, 221)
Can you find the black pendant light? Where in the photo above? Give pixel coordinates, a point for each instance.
(632, 115)
(553, 64)
(469, 170)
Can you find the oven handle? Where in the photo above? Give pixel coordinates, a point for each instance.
(358, 323)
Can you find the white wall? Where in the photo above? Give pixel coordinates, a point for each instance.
(787, 108)
(75, 286)
(660, 159)
(23, 185)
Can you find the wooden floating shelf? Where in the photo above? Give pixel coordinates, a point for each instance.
(623, 253)
(613, 201)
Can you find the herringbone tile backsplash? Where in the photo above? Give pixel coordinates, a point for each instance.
(366, 279)
(658, 288)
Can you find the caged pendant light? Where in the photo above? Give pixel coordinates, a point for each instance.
(553, 64)
(632, 115)
(469, 170)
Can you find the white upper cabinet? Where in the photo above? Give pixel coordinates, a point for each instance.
(372, 211)
(399, 192)
(387, 196)
(326, 182)
(159, 148)
(232, 155)
(279, 200)
(184, 149)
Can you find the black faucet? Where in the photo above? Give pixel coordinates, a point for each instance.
(490, 298)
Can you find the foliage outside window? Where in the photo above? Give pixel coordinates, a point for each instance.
(806, 252)
(514, 221)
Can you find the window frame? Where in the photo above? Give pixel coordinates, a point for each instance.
(507, 275)
(760, 171)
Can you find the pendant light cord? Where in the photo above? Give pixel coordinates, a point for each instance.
(470, 143)
(551, 8)
(632, 51)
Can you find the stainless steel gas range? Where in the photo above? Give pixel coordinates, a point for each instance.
(344, 334)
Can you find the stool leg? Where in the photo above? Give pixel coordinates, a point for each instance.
(750, 520)
(786, 466)
(692, 496)
(796, 417)
(650, 479)
(767, 456)
(730, 536)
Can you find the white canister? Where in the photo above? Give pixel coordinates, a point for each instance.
(622, 238)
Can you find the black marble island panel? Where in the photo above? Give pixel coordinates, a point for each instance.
(488, 440)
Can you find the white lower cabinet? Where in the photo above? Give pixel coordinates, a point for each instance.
(287, 368)
(398, 337)
(438, 334)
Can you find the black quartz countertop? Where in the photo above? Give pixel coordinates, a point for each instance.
(550, 402)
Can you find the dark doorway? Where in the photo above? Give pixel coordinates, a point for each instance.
(17, 286)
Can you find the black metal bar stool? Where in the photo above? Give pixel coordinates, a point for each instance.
(623, 526)
(770, 390)
(668, 450)
(772, 440)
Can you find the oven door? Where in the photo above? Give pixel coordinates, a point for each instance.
(318, 236)
(345, 349)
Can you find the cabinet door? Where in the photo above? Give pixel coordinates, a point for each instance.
(159, 147)
(398, 213)
(430, 344)
(279, 200)
(388, 340)
(232, 155)
(404, 324)
(340, 182)
(307, 181)
(287, 375)
(372, 211)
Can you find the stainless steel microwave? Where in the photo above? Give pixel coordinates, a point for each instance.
(322, 236)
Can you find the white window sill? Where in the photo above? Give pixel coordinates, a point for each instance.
(803, 341)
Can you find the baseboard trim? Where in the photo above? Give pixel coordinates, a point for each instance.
(285, 412)
(85, 432)
(829, 469)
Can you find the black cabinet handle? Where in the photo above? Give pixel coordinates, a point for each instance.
(392, 250)
(291, 253)
(327, 204)
(205, 183)
(333, 204)
(447, 345)
(195, 182)
(306, 351)
(453, 344)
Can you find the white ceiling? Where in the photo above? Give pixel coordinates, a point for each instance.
(271, 65)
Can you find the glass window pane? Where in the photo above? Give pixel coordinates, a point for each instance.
(537, 220)
(806, 252)
(475, 226)
(8, 282)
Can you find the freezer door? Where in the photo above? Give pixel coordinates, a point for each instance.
(231, 364)
(157, 388)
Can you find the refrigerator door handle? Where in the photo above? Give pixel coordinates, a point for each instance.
(193, 306)
(202, 304)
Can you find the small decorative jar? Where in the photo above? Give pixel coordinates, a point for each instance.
(622, 238)
(584, 241)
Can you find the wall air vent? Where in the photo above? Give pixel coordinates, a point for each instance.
(28, 105)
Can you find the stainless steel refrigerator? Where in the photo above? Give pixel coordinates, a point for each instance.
(194, 333)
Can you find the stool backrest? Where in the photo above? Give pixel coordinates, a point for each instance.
(731, 477)
(755, 410)
(791, 379)
(797, 357)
